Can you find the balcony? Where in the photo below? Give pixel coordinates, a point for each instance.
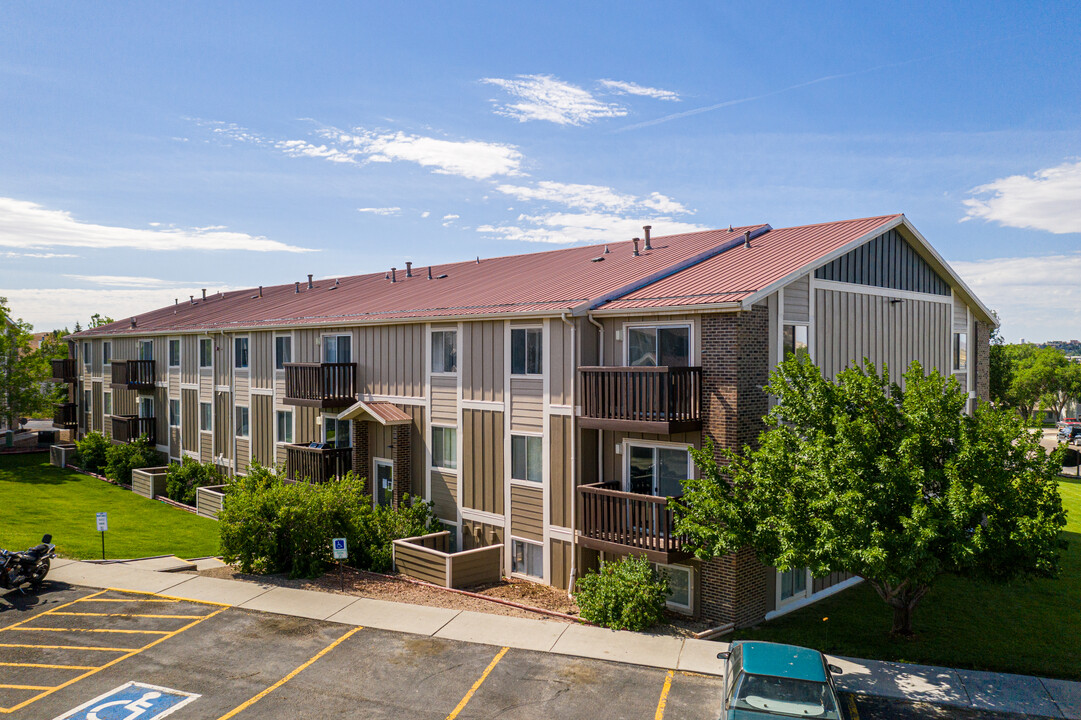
(662, 400)
(629, 523)
(129, 427)
(133, 375)
(66, 416)
(316, 465)
(321, 385)
(65, 370)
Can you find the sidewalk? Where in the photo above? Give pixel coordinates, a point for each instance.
(971, 689)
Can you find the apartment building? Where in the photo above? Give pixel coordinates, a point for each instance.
(543, 402)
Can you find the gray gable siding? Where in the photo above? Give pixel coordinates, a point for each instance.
(886, 261)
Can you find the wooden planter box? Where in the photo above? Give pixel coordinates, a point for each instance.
(208, 500)
(425, 557)
(61, 454)
(149, 482)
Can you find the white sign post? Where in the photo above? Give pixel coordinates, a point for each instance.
(341, 552)
(103, 525)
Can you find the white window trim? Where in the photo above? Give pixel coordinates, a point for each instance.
(957, 368)
(323, 345)
(179, 353)
(376, 462)
(689, 607)
(692, 348)
(510, 454)
(179, 414)
(626, 445)
(292, 428)
(237, 338)
(798, 597)
(236, 425)
(140, 348)
(199, 354)
(110, 362)
(511, 539)
(544, 357)
(274, 351)
(211, 428)
(431, 355)
(104, 394)
(440, 468)
(332, 416)
(780, 341)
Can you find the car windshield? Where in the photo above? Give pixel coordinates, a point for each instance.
(785, 696)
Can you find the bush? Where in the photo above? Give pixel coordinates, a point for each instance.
(627, 594)
(185, 476)
(413, 517)
(121, 459)
(91, 450)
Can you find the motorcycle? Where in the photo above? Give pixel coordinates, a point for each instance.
(27, 567)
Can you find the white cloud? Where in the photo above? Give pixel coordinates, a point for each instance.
(135, 281)
(451, 217)
(381, 211)
(1049, 200)
(1037, 298)
(567, 228)
(43, 256)
(425, 214)
(543, 97)
(629, 88)
(591, 197)
(28, 225)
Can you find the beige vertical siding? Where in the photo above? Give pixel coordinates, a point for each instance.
(189, 420)
(261, 420)
(420, 454)
(189, 359)
(481, 361)
(243, 449)
(223, 358)
(161, 415)
(482, 462)
(444, 400)
(97, 402)
(223, 425)
(560, 472)
(851, 326)
(390, 359)
(261, 359)
(527, 404)
(560, 553)
(307, 345)
(479, 534)
(125, 402)
(560, 362)
(527, 512)
(445, 495)
(206, 447)
(95, 357)
(306, 429)
(161, 359)
(380, 439)
(797, 303)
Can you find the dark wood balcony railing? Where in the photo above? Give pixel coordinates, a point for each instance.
(629, 523)
(66, 416)
(65, 370)
(316, 465)
(321, 385)
(133, 374)
(661, 400)
(129, 427)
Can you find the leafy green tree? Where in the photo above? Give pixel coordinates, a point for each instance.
(1000, 370)
(23, 372)
(895, 486)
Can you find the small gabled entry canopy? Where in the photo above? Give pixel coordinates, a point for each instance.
(384, 413)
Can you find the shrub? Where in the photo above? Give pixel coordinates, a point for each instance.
(121, 459)
(413, 517)
(91, 450)
(185, 476)
(627, 594)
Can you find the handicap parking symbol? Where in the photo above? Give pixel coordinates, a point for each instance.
(131, 701)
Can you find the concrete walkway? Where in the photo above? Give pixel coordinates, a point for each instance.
(997, 692)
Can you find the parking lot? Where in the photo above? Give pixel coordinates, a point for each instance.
(68, 648)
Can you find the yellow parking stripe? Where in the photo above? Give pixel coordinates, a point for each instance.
(66, 647)
(27, 687)
(290, 676)
(133, 615)
(173, 598)
(112, 662)
(477, 684)
(852, 711)
(94, 630)
(47, 612)
(49, 667)
(659, 715)
(127, 600)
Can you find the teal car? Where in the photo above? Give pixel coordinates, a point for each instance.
(770, 680)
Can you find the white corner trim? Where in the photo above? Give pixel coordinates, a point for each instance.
(797, 604)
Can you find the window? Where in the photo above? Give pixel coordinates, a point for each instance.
(445, 447)
(107, 404)
(659, 346)
(285, 426)
(526, 461)
(174, 413)
(206, 417)
(283, 351)
(793, 583)
(86, 406)
(146, 407)
(242, 422)
(527, 558)
(679, 584)
(206, 353)
(336, 433)
(174, 353)
(86, 353)
(795, 341)
(960, 351)
(525, 351)
(106, 353)
(146, 350)
(240, 347)
(337, 348)
(445, 351)
(657, 471)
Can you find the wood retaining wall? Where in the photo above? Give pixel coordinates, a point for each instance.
(426, 558)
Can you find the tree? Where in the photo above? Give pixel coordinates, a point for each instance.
(1000, 370)
(895, 486)
(1036, 373)
(22, 371)
(54, 347)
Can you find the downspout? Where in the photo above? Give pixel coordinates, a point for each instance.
(232, 396)
(573, 575)
(600, 361)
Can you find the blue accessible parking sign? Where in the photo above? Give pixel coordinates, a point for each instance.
(132, 701)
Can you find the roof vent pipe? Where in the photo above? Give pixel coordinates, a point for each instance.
(636, 247)
(606, 250)
(478, 259)
(310, 286)
(133, 322)
(296, 287)
(192, 298)
(429, 272)
(176, 302)
(204, 293)
(647, 228)
(260, 291)
(746, 238)
(408, 268)
(394, 274)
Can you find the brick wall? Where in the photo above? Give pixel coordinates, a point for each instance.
(735, 366)
(361, 454)
(983, 361)
(403, 461)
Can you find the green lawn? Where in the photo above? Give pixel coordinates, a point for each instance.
(37, 498)
(1031, 627)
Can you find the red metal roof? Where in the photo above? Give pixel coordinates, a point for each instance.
(544, 282)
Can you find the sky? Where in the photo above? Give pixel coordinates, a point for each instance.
(148, 150)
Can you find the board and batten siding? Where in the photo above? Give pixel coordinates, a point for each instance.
(527, 512)
(261, 421)
(477, 534)
(527, 404)
(852, 326)
(481, 360)
(97, 404)
(560, 553)
(445, 495)
(561, 376)
(189, 359)
(561, 476)
(189, 420)
(444, 400)
(243, 448)
(390, 359)
(261, 359)
(887, 261)
(223, 425)
(482, 462)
